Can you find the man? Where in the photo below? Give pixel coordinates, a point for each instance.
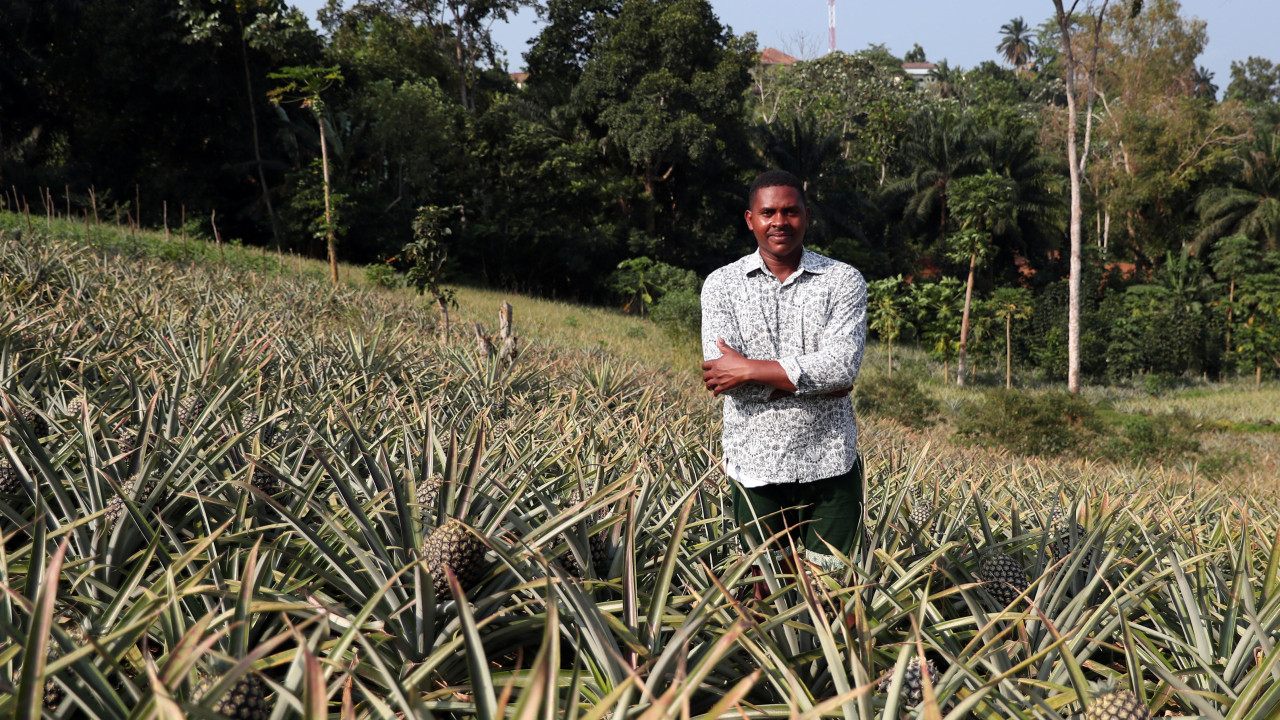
(783, 331)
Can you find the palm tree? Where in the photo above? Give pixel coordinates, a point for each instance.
(1011, 148)
(1202, 85)
(939, 148)
(1251, 206)
(1016, 45)
(801, 146)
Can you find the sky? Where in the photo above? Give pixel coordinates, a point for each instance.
(962, 33)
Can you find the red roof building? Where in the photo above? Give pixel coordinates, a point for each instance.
(774, 56)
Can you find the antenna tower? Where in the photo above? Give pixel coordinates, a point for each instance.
(831, 22)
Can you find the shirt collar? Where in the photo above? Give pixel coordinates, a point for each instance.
(810, 262)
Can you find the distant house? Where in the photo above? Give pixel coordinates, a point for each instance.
(774, 56)
(921, 72)
(520, 79)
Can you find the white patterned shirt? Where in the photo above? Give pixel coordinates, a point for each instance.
(815, 326)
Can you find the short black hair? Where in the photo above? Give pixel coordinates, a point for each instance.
(774, 178)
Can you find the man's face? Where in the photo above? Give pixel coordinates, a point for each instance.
(778, 218)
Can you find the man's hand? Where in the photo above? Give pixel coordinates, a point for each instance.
(731, 369)
(726, 372)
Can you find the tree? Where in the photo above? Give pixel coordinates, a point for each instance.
(940, 148)
(1155, 141)
(1202, 85)
(1233, 257)
(885, 312)
(935, 311)
(306, 86)
(1256, 80)
(427, 255)
(982, 204)
(1251, 205)
(664, 87)
(264, 25)
(1016, 46)
(1011, 303)
(915, 55)
(1076, 162)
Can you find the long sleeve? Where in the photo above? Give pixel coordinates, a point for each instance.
(835, 365)
(719, 321)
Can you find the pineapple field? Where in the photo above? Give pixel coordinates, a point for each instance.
(231, 489)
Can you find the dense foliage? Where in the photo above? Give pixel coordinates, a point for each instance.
(632, 139)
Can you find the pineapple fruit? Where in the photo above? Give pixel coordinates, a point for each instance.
(921, 509)
(1117, 705)
(189, 409)
(453, 545)
(598, 545)
(10, 481)
(1004, 577)
(913, 681)
(246, 700)
(116, 507)
(427, 497)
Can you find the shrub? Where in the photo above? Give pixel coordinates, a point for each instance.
(1146, 437)
(381, 275)
(1055, 423)
(898, 397)
(679, 313)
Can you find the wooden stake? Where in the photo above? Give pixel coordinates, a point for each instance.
(137, 200)
(67, 188)
(87, 239)
(184, 229)
(166, 222)
(26, 206)
(93, 200)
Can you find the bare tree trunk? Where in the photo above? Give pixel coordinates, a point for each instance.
(330, 236)
(964, 322)
(1075, 166)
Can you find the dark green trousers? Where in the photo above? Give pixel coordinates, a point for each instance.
(828, 511)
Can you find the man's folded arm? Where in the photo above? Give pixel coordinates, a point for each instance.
(835, 366)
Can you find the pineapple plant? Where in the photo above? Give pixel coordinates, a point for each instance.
(54, 694)
(912, 693)
(1004, 577)
(453, 544)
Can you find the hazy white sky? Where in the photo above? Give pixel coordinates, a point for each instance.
(964, 33)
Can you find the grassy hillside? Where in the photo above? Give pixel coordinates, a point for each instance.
(226, 483)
